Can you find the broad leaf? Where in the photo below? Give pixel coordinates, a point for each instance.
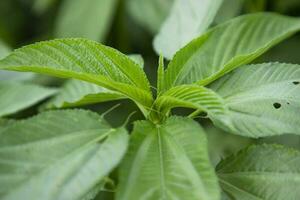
(187, 20)
(263, 99)
(227, 46)
(18, 96)
(197, 97)
(76, 93)
(149, 13)
(266, 172)
(85, 60)
(85, 18)
(168, 161)
(58, 155)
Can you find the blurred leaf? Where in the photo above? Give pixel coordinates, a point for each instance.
(210, 56)
(263, 99)
(85, 18)
(288, 140)
(74, 149)
(85, 60)
(168, 161)
(267, 172)
(187, 20)
(40, 6)
(150, 13)
(76, 93)
(222, 144)
(18, 96)
(228, 10)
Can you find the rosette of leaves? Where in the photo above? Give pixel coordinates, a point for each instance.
(69, 154)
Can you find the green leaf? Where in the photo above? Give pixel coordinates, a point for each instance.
(89, 19)
(5, 123)
(77, 93)
(149, 13)
(227, 46)
(85, 60)
(263, 99)
(11, 76)
(58, 155)
(229, 9)
(18, 96)
(266, 172)
(168, 161)
(138, 59)
(160, 75)
(197, 97)
(187, 20)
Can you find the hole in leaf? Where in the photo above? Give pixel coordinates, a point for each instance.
(288, 103)
(296, 82)
(277, 105)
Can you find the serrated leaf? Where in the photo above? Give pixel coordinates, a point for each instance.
(138, 59)
(197, 97)
(76, 93)
(266, 172)
(11, 76)
(160, 75)
(186, 21)
(89, 19)
(210, 56)
(263, 99)
(168, 161)
(18, 96)
(58, 155)
(85, 60)
(149, 13)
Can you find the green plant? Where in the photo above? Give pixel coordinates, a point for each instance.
(69, 154)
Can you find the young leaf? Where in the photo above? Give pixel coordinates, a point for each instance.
(160, 75)
(58, 155)
(187, 20)
(76, 93)
(89, 19)
(18, 96)
(149, 13)
(263, 99)
(197, 97)
(210, 56)
(267, 172)
(168, 161)
(85, 60)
